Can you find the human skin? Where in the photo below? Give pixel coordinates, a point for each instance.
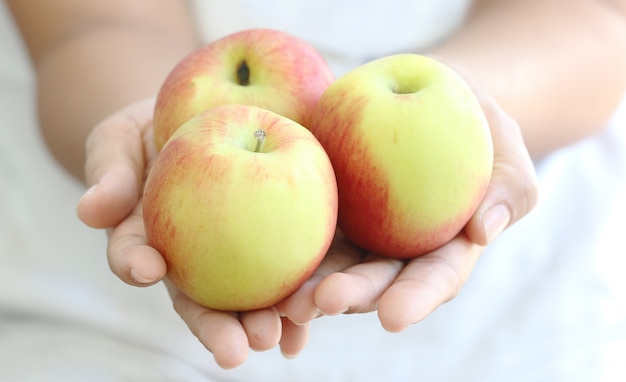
(119, 43)
(509, 47)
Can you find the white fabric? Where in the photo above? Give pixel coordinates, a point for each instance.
(547, 301)
(346, 32)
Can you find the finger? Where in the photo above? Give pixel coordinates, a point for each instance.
(358, 288)
(129, 255)
(300, 307)
(426, 282)
(513, 190)
(221, 333)
(115, 166)
(263, 328)
(109, 200)
(294, 338)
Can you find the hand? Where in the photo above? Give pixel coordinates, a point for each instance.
(405, 292)
(119, 153)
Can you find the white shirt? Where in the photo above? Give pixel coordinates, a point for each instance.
(545, 303)
(346, 32)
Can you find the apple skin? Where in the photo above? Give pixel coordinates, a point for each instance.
(240, 230)
(285, 74)
(411, 150)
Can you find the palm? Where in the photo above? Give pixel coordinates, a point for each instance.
(348, 280)
(122, 148)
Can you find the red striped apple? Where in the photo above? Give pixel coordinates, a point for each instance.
(259, 67)
(242, 204)
(411, 150)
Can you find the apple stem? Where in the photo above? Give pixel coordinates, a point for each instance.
(260, 138)
(243, 74)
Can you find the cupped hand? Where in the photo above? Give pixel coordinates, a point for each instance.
(119, 153)
(405, 292)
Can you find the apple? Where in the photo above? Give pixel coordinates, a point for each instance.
(259, 67)
(242, 204)
(411, 150)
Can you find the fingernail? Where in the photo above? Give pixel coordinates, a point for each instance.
(289, 356)
(139, 279)
(495, 220)
(89, 192)
(318, 314)
(340, 311)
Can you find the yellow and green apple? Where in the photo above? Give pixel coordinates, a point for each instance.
(242, 204)
(411, 150)
(259, 67)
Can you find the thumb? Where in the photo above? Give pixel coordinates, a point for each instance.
(513, 190)
(115, 165)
